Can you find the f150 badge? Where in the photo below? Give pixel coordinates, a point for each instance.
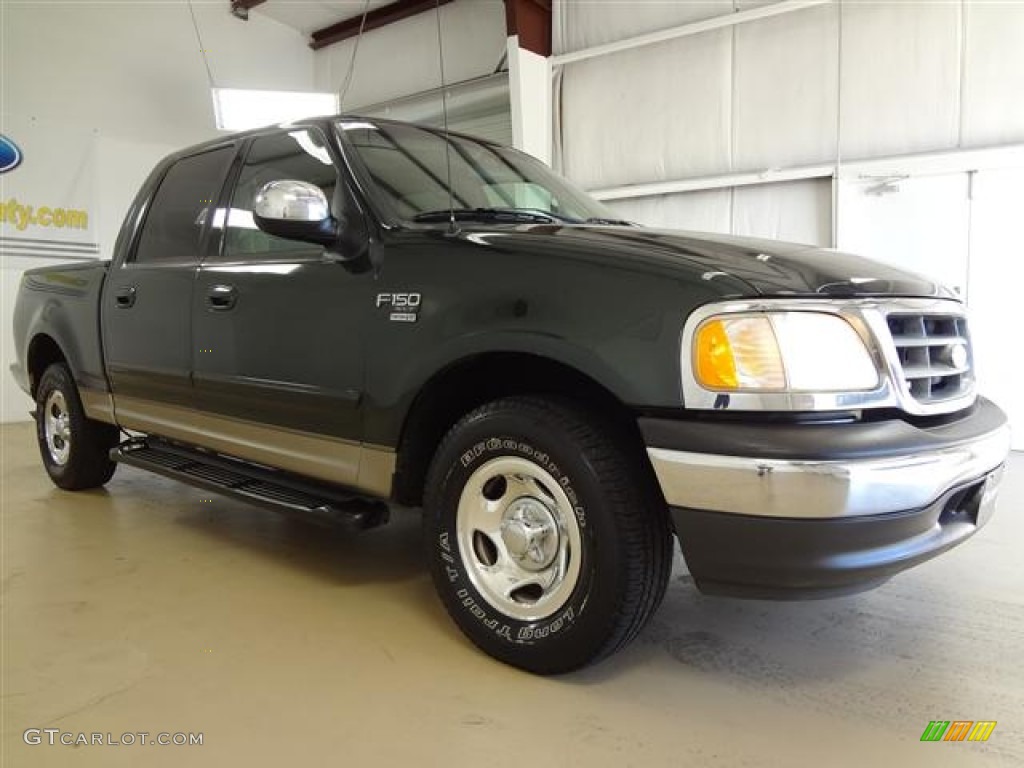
(403, 307)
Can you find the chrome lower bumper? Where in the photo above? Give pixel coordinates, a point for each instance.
(828, 489)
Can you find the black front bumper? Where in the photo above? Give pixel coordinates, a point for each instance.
(765, 557)
(779, 512)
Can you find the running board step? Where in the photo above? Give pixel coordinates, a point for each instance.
(255, 484)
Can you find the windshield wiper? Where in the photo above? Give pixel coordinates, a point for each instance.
(488, 214)
(609, 222)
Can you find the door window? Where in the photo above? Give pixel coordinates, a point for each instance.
(180, 207)
(298, 155)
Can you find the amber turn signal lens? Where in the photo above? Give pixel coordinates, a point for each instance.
(716, 368)
(739, 352)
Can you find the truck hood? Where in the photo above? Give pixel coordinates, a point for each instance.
(737, 266)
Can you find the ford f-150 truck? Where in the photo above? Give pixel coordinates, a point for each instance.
(339, 315)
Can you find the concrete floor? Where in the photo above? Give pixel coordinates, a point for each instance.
(150, 607)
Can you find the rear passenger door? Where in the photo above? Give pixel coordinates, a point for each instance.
(147, 302)
(278, 348)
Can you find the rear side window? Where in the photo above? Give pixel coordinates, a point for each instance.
(299, 155)
(180, 207)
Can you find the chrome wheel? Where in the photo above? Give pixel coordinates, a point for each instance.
(57, 424)
(519, 538)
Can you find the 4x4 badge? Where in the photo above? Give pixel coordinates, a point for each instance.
(402, 307)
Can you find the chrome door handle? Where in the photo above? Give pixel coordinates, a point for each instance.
(221, 297)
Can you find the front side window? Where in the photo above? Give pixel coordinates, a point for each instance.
(410, 167)
(180, 207)
(298, 155)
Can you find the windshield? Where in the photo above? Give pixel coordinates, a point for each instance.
(409, 167)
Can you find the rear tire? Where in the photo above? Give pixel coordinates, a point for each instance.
(74, 448)
(546, 544)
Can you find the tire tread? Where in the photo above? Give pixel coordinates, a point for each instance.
(89, 465)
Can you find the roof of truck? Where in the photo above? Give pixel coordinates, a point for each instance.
(322, 122)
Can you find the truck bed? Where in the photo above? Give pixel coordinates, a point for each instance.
(62, 302)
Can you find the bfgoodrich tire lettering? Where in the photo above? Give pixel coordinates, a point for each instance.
(75, 449)
(571, 509)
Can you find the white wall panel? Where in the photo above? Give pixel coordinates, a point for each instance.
(585, 23)
(133, 73)
(135, 70)
(900, 77)
(997, 272)
(993, 101)
(785, 90)
(696, 211)
(649, 114)
(903, 89)
(920, 224)
(402, 58)
(796, 211)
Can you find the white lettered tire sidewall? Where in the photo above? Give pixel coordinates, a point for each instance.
(575, 632)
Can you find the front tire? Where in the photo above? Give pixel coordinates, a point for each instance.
(546, 544)
(74, 448)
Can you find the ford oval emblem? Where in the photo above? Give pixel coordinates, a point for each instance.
(10, 155)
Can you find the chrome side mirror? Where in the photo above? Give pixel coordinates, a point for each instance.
(296, 210)
(291, 200)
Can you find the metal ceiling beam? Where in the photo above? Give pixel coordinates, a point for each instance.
(388, 14)
(530, 20)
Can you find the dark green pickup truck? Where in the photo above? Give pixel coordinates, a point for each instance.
(339, 315)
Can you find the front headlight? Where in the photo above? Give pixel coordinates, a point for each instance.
(781, 352)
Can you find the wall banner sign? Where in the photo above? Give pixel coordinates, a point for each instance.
(47, 190)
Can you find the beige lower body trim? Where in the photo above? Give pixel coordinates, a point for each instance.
(99, 406)
(362, 467)
(376, 470)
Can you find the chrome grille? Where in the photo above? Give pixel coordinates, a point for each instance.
(934, 353)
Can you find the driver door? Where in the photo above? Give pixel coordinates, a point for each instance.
(278, 356)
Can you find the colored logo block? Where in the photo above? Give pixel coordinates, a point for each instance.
(958, 730)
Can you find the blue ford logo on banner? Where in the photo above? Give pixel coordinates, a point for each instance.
(10, 155)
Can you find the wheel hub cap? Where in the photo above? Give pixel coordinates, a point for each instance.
(530, 534)
(57, 427)
(519, 540)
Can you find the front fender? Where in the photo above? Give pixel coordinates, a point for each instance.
(560, 350)
(392, 390)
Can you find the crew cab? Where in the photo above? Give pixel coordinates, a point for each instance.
(340, 315)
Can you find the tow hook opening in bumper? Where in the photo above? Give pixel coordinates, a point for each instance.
(963, 505)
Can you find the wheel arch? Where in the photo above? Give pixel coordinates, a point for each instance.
(43, 351)
(471, 381)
